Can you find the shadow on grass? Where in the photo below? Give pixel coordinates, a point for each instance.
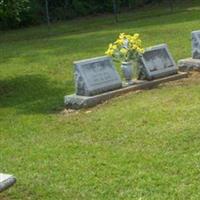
(31, 94)
(67, 44)
(151, 16)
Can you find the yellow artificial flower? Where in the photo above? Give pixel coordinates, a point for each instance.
(114, 47)
(136, 36)
(128, 37)
(109, 52)
(134, 47)
(122, 36)
(119, 42)
(138, 42)
(140, 50)
(124, 45)
(110, 46)
(124, 51)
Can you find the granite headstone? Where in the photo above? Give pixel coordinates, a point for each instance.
(95, 76)
(6, 181)
(157, 62)
(196, 44)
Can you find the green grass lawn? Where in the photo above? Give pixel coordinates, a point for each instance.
(142, 146)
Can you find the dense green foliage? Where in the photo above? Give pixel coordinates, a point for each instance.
(143, 145)
(15, 13)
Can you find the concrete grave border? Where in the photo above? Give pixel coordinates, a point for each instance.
(6, 181)
(189, 64)
(77, 102)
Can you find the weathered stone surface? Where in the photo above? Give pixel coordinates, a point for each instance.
(77, 102)
(157, 62)
(95, 76)
(196, 44)
(6, 181)
(189, 64)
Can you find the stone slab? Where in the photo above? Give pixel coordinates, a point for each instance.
(77, 102)
(6, 181)
(157, 62)
(96, 75)
(189, 64)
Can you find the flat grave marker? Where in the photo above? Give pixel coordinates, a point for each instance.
(158, 62)
(192, 63)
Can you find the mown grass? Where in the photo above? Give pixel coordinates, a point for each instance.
(144, 145)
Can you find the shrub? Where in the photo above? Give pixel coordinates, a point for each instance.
(12, 12)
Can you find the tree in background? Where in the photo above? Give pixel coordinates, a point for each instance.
(12, 12)
(171, 5)
(115, 9)
(16, 13)
(47, 12)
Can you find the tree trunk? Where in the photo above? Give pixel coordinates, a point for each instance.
(47, 12)
(115, 10)
(171, 5)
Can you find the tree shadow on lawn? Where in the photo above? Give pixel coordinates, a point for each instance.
(31, 94)
(90, 25)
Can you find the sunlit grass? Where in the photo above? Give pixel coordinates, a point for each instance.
(138, 146)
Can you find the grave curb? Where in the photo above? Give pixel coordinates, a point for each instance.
(7, 183)
(77, 102)
(189, 64)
